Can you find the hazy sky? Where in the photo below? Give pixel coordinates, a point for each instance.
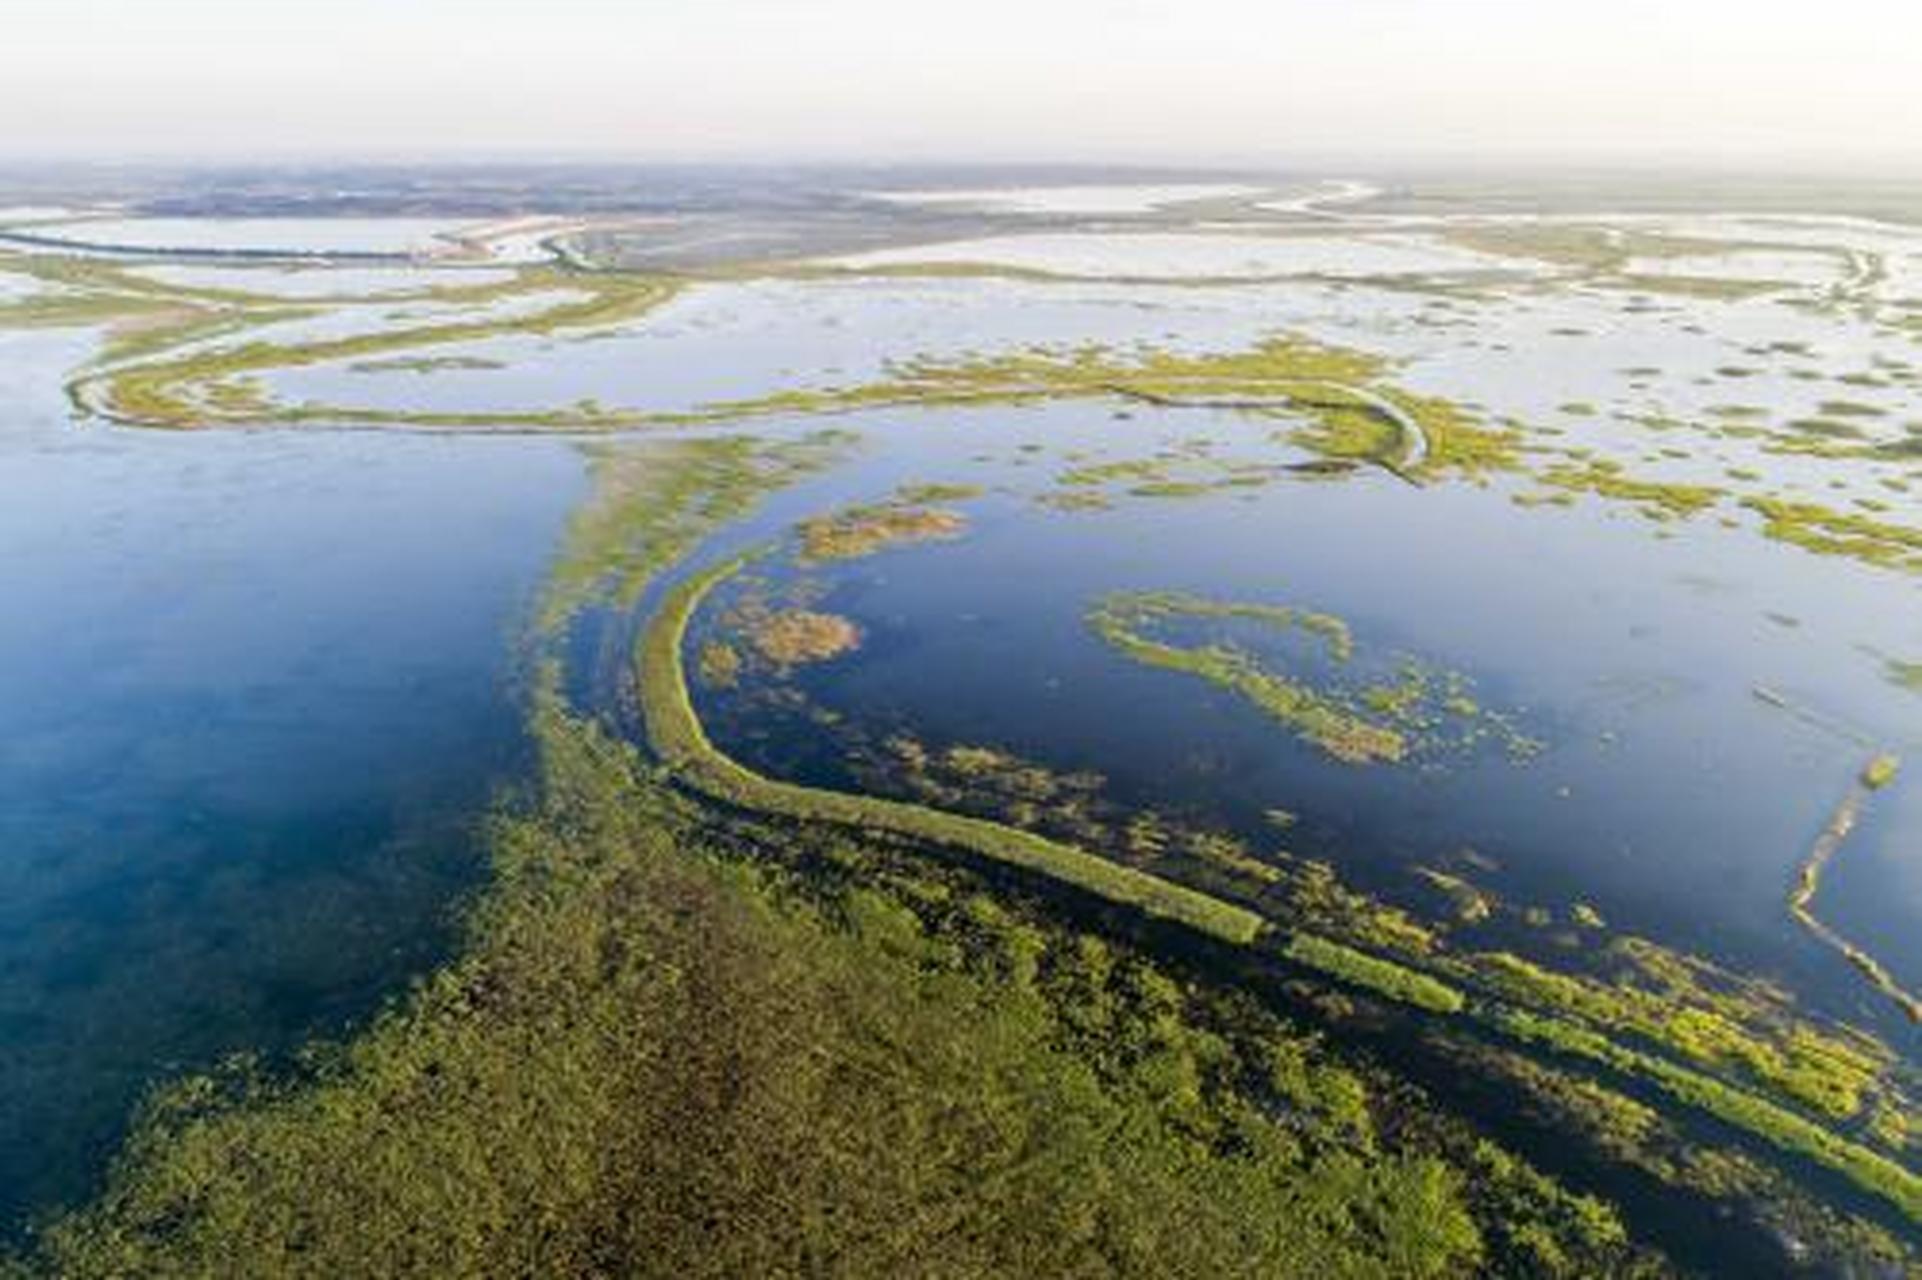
(1149, 80)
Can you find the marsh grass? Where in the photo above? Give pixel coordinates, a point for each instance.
(675, 732)
(857, 532)
(148, 386)
(796, 637)
(1825, 531)
(1417, 710)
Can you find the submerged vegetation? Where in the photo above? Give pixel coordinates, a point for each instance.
(1411, 710)
(1903, 675)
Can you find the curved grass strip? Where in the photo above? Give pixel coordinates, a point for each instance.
(1358, 968)
(675, 731)
(1314, 716)
(1402, 454)
(1353, 413)
(1867, 1169)
(1352, 416)
(175, 391)
(1877, 774)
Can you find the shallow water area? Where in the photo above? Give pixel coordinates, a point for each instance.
(1120, 198)
(254, 691)
(323, 282)
(261, 235)
(736, 341)
(1176, 255)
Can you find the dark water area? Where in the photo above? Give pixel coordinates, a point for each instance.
(255, 691)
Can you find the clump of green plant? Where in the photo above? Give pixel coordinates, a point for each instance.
(719, 665)
(1825, 531)
(794, 637)
(989, 782)
(917, 495)
(1387, 720)
(1605, 478)
(855, 532)
(1466, 902)
(996, 783)
(1385, 977)
(1317, 718)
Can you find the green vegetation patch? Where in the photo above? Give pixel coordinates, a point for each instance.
(690, 1042)
(1788, 1130)
(1605, 478)
(427, 364)
(649, 504)
(1318, 718)
(170, 377)
(1384, 720)
(1384, 977)
(855, 532)
(1828, 532)
(793, 637)
(1351, 407)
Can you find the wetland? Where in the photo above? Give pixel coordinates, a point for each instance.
(989, 721)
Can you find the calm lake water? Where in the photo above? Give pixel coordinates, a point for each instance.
(254, 689)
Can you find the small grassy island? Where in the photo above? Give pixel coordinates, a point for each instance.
(1411, 709)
